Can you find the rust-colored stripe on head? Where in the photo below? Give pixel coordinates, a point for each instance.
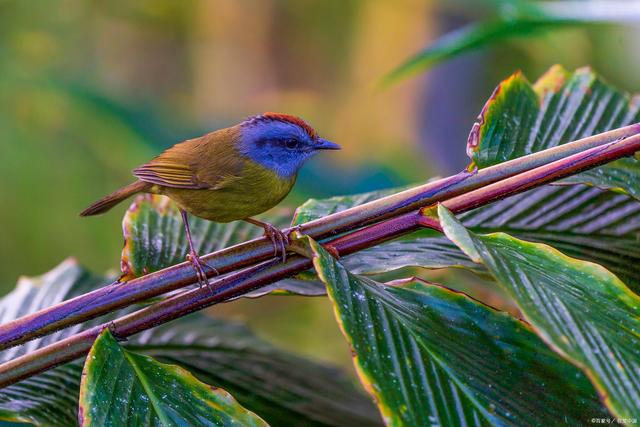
(287, 118)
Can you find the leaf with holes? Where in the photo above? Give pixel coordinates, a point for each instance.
(154, 239)
(579, 308)
(521, 118)
(120, 387)
(281, 388)
(433, 356)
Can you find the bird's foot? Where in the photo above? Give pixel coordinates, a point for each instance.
(279, 238)
(199, 266)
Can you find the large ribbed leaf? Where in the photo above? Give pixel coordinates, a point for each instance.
(318, 208)
(65, 281)
(120, 387)
(50, 398)
(423, 249)
(154, 238)
(281, 388)
(579, 308)
(584, 222)
(44, 400)
(432, 356)
(521, 118)
(433, 251)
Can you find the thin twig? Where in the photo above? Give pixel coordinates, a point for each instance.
(247, 280)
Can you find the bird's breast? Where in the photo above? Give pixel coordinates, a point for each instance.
(256, 190)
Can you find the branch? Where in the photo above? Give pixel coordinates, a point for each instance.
(247, 280)
(117, 295)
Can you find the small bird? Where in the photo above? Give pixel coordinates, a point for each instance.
(229, 174)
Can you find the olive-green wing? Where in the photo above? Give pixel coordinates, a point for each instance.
(208, 162)
(169, 174)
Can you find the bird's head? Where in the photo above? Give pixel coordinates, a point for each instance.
(280, 142)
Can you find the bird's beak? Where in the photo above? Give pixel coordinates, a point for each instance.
(323, 144)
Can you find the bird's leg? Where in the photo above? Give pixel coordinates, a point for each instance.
(279, 239)
(193, 257)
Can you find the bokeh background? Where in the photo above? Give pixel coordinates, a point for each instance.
(91, 89)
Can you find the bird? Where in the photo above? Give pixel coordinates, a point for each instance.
(226, 175)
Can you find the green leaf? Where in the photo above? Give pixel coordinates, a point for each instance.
(433, 356)
(434, 251)
(521, 118)
(469, 38)
(51, 397)
(44, 400)
(584, 222)
(314, 209)
(579, 308)
(281, 388)
(508, 19)
(422, 249)
(120, 387)
(155, 239)
(31, 294)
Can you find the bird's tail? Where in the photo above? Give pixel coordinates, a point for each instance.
(107, 202)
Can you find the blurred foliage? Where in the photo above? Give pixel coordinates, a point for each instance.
(89, 90)
(505, 19)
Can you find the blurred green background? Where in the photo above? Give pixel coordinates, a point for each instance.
(91, 89)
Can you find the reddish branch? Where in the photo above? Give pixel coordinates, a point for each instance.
(399, 213)
(118, 295)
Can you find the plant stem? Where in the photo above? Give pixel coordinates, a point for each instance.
(118, 295)
(247, 280)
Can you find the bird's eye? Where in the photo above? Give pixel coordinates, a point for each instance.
(291, 143)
